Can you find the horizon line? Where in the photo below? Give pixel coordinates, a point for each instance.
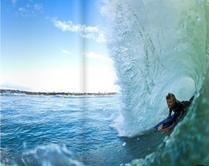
(4, 90)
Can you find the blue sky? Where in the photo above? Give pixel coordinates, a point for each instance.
(41, 46)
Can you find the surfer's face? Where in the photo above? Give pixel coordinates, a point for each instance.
(171, 102)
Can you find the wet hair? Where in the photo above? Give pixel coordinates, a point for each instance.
(170, 95)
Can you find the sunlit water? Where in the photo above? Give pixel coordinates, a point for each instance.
(60, 130)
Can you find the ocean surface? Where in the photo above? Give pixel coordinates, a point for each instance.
(63, 130)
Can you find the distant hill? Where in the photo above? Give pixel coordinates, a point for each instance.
(12, 91)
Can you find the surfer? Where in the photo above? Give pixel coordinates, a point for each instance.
(179, 109)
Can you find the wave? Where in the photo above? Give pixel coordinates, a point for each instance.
(51, 154)
(157, 47)
(188, 144)
(160, 47)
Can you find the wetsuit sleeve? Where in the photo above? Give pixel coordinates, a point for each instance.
(170, 111)
(187, 103)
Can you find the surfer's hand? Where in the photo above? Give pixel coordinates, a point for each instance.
(160, 127)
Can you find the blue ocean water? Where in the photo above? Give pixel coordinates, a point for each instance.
(35, 129)
(30, 121)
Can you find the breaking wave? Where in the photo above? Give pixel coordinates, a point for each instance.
(158, 47)
(162, 46)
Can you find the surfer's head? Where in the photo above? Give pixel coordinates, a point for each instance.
(171, 100)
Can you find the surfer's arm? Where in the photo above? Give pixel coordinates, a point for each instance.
(187, 103)
(170, 111)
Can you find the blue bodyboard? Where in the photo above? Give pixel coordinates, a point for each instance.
(164, 121)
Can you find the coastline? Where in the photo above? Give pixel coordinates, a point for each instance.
(14, 91)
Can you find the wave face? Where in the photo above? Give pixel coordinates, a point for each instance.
(188, 144)
(158, 46)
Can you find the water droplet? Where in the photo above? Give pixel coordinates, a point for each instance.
(124, 144)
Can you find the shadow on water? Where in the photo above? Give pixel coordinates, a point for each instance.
(131, 148)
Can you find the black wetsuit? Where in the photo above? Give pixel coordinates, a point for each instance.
(179, 111)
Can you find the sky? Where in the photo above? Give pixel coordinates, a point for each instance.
(55, 45)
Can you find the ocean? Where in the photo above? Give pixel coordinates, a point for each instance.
(158, 46)
(67, 130)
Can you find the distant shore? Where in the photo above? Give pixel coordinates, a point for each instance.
(12, 91)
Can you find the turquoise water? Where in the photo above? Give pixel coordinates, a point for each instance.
(162, 46)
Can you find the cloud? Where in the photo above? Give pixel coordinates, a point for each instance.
(98, 56)
(87, 32)
(66, 52)
(28, 9)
